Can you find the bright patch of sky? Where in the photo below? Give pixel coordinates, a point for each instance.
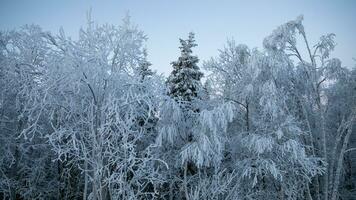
(213, 22)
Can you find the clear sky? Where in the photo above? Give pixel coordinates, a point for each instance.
(165, 21)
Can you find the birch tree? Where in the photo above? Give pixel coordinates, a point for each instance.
(313, 73)
(26, 168)
(97, 104)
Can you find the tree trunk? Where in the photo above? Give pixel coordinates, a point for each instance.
(339, 165)
(308, 194)
(339, 134)
(85, 180)
(185, 181)
(325, 155)
(247, 118)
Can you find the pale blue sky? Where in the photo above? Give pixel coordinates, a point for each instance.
(213, 21)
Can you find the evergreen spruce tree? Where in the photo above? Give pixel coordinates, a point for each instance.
(147, 118)
(184, 87)
(184, 81)
(144, 65)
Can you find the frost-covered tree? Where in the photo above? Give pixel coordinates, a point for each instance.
(266, 149)
(192, 131)
(311, 78)
(184, 81)
(231, 77)
(99, 111)
(341, 121)
(280, 82)
(144, 70)
(26, 167)
(87, 118)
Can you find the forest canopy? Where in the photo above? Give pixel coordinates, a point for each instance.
(88, 118)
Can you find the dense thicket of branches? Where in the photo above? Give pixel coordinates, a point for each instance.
(89, 119)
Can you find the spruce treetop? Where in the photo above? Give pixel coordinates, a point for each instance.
(144, 67)
(184, 81)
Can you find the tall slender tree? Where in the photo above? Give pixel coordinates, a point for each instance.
(191, 128)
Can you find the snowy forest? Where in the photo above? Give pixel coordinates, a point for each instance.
(88, 118)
